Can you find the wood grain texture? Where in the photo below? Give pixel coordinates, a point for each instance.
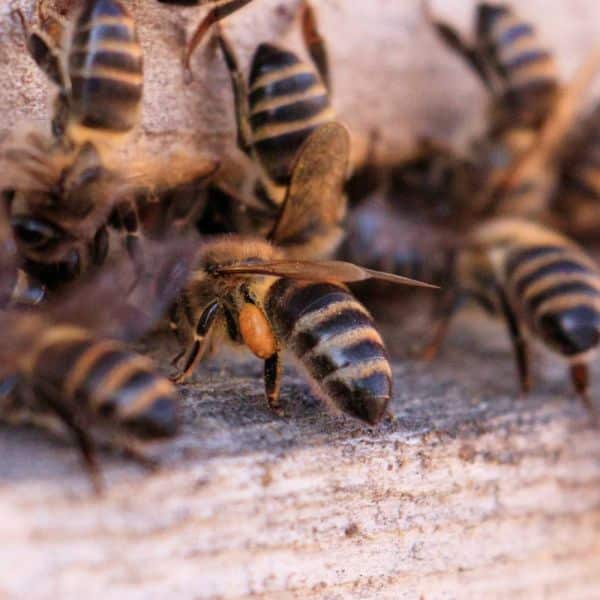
(470, 493)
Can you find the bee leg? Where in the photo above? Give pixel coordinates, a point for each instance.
(453, 40)
(128, 220)
(314, 42)
(83, 439)
(272, 376)
(130, 448)
(519, 344)
(43, 48)
(201, 342)
(240, 93)
(580, 379)
(444, 311)
(223, 9)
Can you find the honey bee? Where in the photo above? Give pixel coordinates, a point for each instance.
(510, 60)
(283, 102)
(577, 198)
(67, 363)
(97, 65)
(516, 161)
(541, 283)
(521, 76)
(63, 191)
(249, 291)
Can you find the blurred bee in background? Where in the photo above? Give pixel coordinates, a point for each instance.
(530, 113)
(541, 283)
(65, 365)
(249, 291)
(63, 191)
(576, 200)
(283, 102)
(521, 77)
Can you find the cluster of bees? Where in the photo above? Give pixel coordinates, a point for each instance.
(97, 249)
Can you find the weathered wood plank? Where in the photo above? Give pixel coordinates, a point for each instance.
(470, 493)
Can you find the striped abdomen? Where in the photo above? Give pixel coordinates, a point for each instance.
(528, 69)
(105, 68)
(287, 101)
(100, 377)
(335, 339)
(557, 290)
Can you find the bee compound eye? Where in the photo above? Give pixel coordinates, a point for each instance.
(34, 233)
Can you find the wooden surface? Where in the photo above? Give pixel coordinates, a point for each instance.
(470, 493)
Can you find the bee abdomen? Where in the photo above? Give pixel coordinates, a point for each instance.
(557, 290)
(335, 339)
(105, 68)
(104, 378)
(529, 68)
(287, 101)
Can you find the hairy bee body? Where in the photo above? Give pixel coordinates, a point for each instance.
(105, 69)
(67, 366)
(331, 334)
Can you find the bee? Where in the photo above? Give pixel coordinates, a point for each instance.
(540, 282)
(576, 200)
(98, 69)
(249, 291)
(283, 102)
(510, 60)
(530, 114)
(64, 191)
(521, 76)
(66, 363)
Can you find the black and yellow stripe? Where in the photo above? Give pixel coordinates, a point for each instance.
(287, 101)
(514, 50)
(103, 378)
(105, 68)
(335, 339)
(556, 289)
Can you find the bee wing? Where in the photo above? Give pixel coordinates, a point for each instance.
(322, 270)
(315, 196)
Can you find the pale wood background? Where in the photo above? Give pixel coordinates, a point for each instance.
(471, 493)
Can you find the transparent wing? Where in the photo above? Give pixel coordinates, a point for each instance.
(324, 270)
(315, 198)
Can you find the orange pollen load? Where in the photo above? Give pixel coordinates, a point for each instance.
(256, 331)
